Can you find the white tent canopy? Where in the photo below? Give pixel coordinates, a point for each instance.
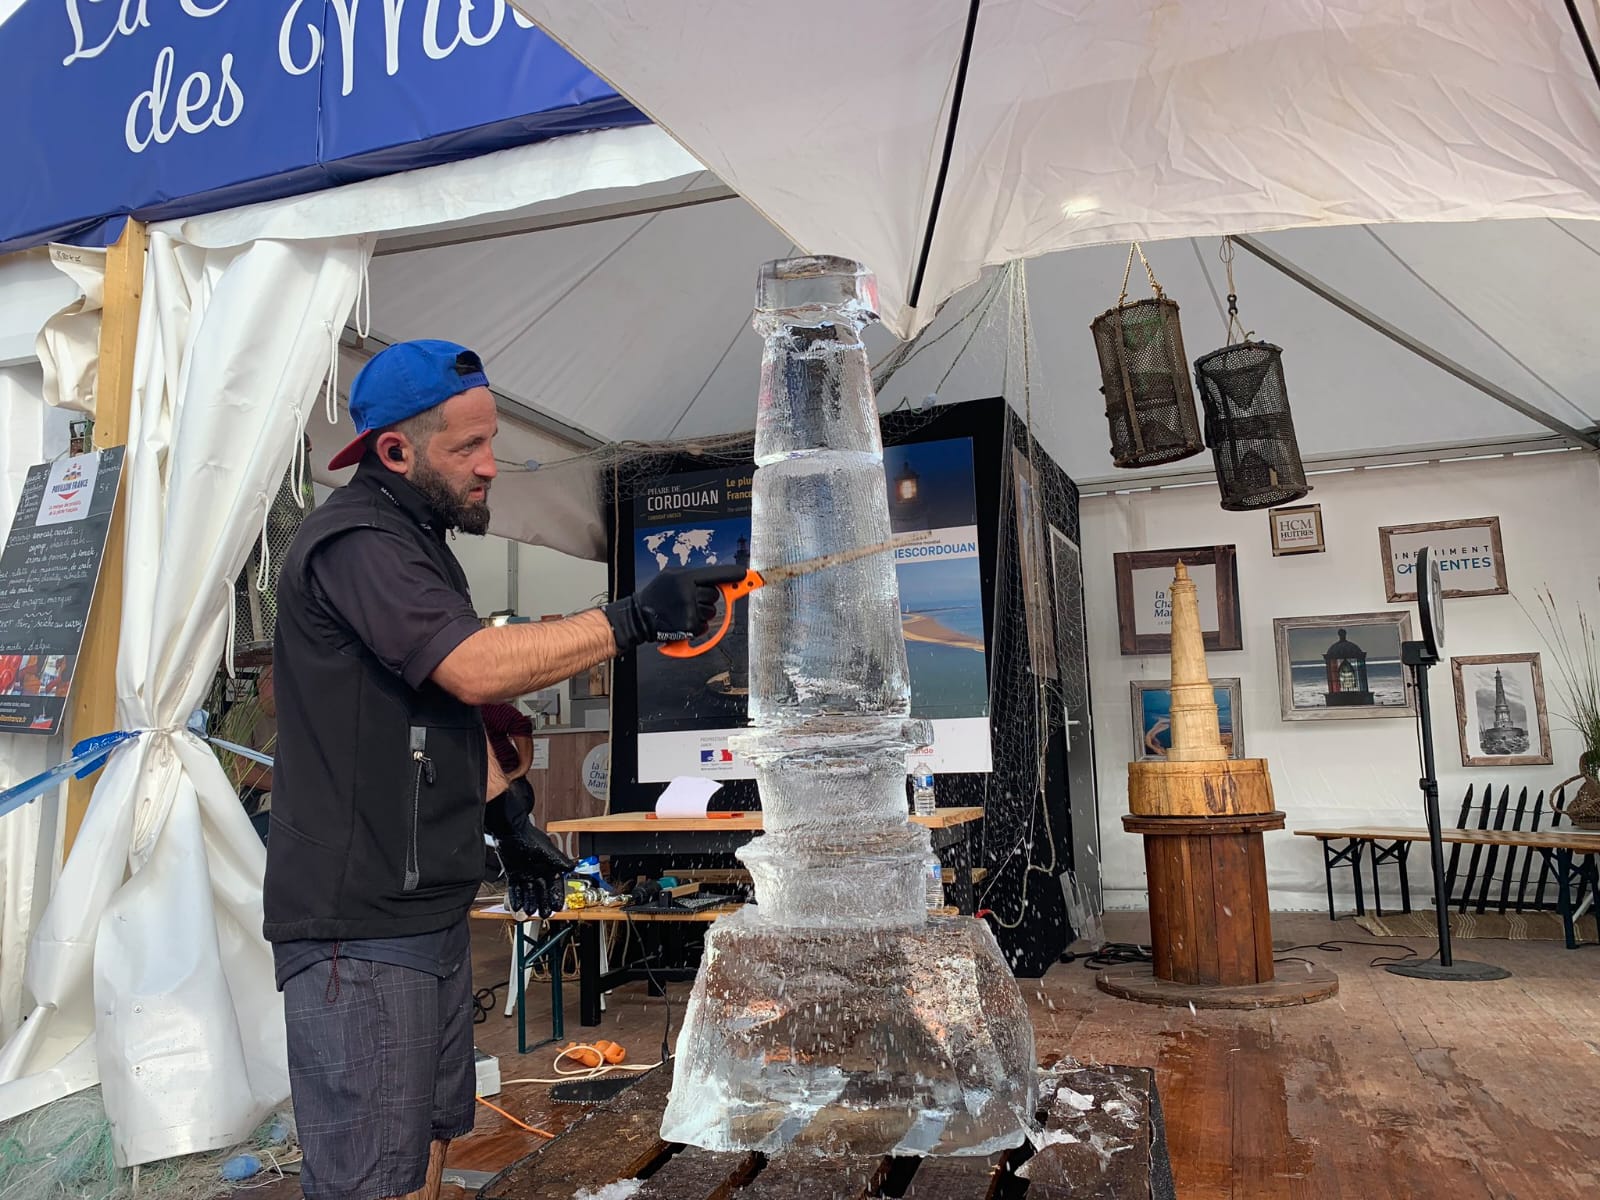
(1087, 122)
(638, 327)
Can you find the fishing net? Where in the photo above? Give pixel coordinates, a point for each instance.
(255, 591)
(63, 1151)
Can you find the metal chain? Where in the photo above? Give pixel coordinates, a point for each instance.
(1235, 326)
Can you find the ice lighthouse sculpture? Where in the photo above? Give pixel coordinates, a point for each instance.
(836, 1014)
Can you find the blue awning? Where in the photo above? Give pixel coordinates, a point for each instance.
(167, 108)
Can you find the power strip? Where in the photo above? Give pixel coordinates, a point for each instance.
(488, 1073)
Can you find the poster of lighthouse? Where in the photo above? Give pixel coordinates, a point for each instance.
(1500, 710)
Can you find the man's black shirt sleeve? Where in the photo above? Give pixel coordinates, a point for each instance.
(389, 594)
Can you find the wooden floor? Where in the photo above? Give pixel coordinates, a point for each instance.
(1393, 1088)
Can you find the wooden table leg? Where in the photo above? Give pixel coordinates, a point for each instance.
(1355, 867)
(588, 972)
(1327, 874)
(1377, 895)
(962, 894)
(556, 957)
(522, 986)
(1405, 876)
(652, 986)
(1564, 896)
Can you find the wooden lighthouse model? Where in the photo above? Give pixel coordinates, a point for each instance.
(1197, 778)
(1202, 814)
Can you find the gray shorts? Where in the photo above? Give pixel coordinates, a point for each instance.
(380, 1065)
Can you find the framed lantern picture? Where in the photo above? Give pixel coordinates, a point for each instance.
(1144, 597)
(1500, 710)
(1343, 668)
(1297, 530)
(1152, 717)
(1472, 560)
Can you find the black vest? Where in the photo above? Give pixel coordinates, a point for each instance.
(377, 798)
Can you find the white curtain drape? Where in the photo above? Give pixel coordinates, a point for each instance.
(27, 834)
(149, 972)
(68, 346)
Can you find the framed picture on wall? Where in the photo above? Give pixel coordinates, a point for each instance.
(1152, 717)
(1500, 711)
(1343, 668)
(1472, 560)
(1144, 597)
(1297, 530)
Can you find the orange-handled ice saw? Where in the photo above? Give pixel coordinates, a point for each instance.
(732, 592)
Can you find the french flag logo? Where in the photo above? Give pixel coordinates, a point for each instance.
(716, 756)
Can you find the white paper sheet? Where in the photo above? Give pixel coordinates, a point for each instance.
(687, 796)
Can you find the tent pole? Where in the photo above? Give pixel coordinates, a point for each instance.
(949, 147)
(462, 235)
(1588, 437)
(93, 706)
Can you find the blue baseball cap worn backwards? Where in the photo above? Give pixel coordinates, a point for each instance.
(406, 379)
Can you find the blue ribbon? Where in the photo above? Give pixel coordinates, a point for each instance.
(242, 751)
(86, 758)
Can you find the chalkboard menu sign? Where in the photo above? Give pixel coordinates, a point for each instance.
(47, 577)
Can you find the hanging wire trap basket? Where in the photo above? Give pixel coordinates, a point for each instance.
(1248, 424)
(1145, 378)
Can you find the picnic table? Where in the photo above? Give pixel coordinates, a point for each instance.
(1569, 857)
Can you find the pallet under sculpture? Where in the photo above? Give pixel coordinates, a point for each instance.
(837, 1016)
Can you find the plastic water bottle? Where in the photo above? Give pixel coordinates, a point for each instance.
(922, 794)
(935, 883)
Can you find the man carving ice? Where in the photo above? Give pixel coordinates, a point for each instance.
(383, 770)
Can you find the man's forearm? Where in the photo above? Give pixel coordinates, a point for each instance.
(506, 661)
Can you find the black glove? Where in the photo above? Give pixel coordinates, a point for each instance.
(534, 868)
(677, 604)
(507, 811)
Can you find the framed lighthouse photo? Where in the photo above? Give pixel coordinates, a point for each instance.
(1500, 710)
(1342, 668)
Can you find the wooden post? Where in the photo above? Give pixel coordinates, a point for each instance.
(93, 706)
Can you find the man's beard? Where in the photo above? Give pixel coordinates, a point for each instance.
(455, 511)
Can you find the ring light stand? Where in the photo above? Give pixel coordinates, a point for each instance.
(1419, 656)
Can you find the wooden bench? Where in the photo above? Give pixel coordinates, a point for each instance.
(1569, 860)
(1462, 879)
(1119, 1154)
(528, 947)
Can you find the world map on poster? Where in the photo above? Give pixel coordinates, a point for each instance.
(685, 548)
